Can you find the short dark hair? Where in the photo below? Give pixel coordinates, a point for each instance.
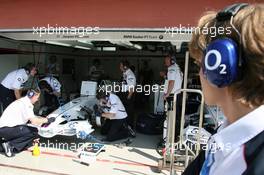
(101, 94)
(29, 66)
(125, 63)
(44, 85)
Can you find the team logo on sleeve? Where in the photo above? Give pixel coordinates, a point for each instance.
(55, 84)
(172, 70)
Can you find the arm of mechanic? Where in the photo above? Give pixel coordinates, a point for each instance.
(58, 94)
(130, 93)
(38, 120)
(170, 87)
(17, 93)
(108, 115)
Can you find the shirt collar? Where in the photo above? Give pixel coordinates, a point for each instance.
(241, 131)
(171, 65)
(27, 101)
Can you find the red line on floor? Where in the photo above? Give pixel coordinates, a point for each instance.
(99, 160)
(31, 169)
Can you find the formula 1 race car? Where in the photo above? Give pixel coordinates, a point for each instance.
(74, 117)
(71, 118)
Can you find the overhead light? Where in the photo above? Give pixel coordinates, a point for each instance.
(109, 48)
(81, 47)
(127, 44)
(137, 46)
(58, 43)
(85, 42)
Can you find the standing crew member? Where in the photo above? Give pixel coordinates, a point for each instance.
(11, 86)
(115, 126)
(128, 87)
(174, 77)
(14, 133)
(173, 83)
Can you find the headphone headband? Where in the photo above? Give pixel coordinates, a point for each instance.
(230, 11)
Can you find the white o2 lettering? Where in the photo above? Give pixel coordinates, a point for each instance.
(223, 71)
(217, 61)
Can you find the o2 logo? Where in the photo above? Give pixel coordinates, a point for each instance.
(217, 62)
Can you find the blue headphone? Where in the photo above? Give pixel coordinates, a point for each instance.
(222, 61)
(31, 93)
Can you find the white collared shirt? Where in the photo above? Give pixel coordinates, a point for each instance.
(230, 139)
(54, 83)
(17, 113)
(15, 79)
(175, 74)
(129, 80)
(116, 107)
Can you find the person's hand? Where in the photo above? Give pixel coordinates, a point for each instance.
(103, 115)
(165, 96)
(162, 74)
(36, 140)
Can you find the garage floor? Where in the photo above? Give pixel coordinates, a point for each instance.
(137, 158)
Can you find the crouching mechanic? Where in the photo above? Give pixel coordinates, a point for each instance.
(115, 126)
(51, 89)
(15, 135)
(55, 86)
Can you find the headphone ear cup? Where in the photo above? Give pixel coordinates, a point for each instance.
(30, 94)
(220, 63)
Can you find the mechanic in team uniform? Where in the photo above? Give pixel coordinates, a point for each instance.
(51, 89)
(174, 77)
(11, 86)
(54, 84)
(115, 126)
(15, 135)
(173, 83)
(127, 90)
(231, 73)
